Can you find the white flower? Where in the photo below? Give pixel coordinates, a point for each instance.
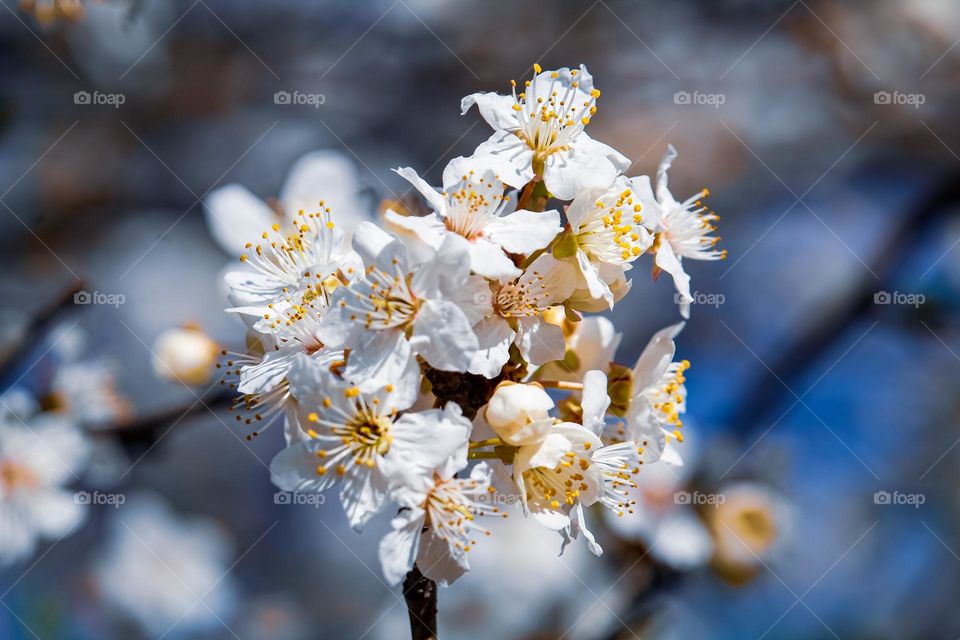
(87, 393)
(682, 229)
(748, 526)
(437, 522)
(184, 354)
(540, 131)
(399, 309)
(556, 473)
(165, 571)
(234, 215)
(474, 206)
(358, 439)
(607, 226)
(657, 397)
(37, 458)
(516, 317)
(311, 258)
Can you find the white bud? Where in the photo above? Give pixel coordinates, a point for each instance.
(184, 354)
(514, 407)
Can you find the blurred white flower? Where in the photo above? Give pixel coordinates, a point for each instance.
(39, 455)
(234, 215)
(185, 354)
(164, 571)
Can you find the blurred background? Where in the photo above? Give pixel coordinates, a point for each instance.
(822, 421)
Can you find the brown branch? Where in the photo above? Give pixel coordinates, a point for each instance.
(420, 593)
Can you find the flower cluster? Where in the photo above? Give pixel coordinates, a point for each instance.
(442, 363)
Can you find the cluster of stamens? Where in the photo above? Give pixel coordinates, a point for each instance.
(453, 507)
(551, 120)
(473, 204)
(524, 297)
(286, 255)
(364, 432)
(667, 398)
(383, 300)
(688, 227)
(562, 485)
(612, 232)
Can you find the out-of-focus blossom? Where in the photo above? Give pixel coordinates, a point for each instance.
(185, 354)
(749, 526)
(39, 455)
(48, 11)
(166, 571)
(235, 216)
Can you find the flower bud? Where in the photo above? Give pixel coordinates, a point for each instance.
(514, 406)
(185, 354)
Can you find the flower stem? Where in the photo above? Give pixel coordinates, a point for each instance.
(526, 193)
(420, 594)
(562, 384)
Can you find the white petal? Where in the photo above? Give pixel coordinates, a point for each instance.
(588, 164)
(668, 261)
(439, 561)
(268, 373)
(443, 336)
(235, 217)
(509, 157)
(431, 195)
(398, 549)
(525, 231)
(540, 341)
(369, 241)
(663, 191)
(495, 337)
(379, 358)
(488, 259)
(363, 494)
(422, 235)
(595, 400)
(446, 272)
(329, 176)
(597, 287)
(656, 357)
(495, 108)
(474, 298)
(54, 513)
